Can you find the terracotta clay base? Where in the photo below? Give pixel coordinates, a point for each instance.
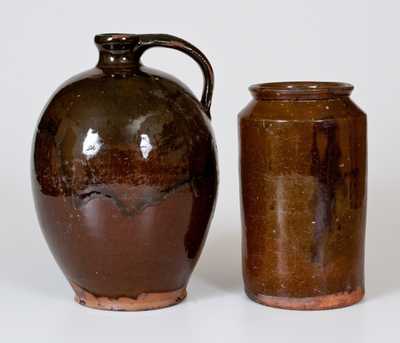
(324, 302)
(145, 301)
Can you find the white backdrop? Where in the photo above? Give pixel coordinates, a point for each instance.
(45, 42)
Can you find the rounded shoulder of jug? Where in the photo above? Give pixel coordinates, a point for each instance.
(123, 125)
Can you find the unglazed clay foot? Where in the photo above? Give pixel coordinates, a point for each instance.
(324, 302)
(145, 301)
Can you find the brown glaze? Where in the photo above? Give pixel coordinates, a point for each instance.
(303, 178)
(124, 176)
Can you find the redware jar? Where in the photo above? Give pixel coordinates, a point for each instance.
(303, 159)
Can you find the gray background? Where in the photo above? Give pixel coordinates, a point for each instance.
(45, 42)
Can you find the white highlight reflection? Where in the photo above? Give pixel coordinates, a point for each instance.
(145, 145)
(91, 144)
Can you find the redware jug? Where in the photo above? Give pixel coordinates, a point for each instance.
(124, 176)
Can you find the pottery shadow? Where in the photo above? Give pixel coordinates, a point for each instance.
(383, 240)
(219, 267)
(32, 269)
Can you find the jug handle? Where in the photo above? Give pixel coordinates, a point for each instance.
(147, 41)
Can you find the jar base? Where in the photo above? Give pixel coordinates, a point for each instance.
(324, 302)
(145, 301)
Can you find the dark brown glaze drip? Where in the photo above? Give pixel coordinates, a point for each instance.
(133, 206)
(325, 168)
(124, 176)
(303, 186)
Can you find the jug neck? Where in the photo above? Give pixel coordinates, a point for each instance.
(117, 51)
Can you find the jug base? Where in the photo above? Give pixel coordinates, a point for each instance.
(324, 302)
(145, 301)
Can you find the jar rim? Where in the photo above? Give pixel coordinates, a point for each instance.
(301, 90)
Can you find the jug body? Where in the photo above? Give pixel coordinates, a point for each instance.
(124, 177)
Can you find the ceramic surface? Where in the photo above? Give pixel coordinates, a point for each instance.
(124, 176)
(303, 159)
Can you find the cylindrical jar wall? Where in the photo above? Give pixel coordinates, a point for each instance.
(303, 177)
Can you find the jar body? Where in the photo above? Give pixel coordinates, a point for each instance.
(303, 179)
(124, 179)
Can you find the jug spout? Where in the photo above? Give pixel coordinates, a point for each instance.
(117, 50)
